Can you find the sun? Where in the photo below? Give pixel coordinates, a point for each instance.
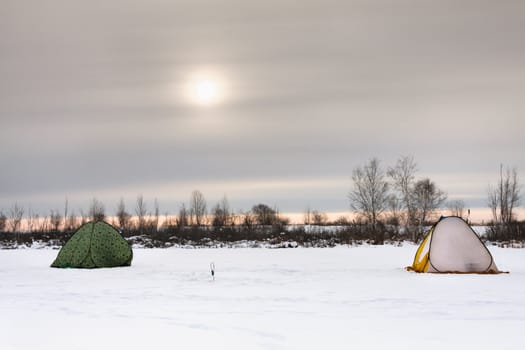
(206, 89)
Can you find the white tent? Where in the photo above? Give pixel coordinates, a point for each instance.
(451, 246)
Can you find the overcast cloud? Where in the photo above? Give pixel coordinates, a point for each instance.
(92, 99)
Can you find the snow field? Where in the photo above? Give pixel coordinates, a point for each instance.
(344, 297)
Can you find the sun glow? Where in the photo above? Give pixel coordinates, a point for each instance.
(206, 89)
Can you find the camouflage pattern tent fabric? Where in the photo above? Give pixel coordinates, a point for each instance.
(95, 244)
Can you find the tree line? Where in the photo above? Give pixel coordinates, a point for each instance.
(141, 219)
(388, 202)
(394, 196)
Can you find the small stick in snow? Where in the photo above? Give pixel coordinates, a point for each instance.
(212, 268)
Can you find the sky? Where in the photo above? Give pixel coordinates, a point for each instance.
(270, 102)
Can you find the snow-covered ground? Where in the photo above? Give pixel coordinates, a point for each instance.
(336, 298)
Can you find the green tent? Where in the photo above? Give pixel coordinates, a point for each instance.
(95, 244)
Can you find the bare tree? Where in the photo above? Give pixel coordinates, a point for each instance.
(307, 218)
(342, 221)
(505, 197)
(16, 213)
(247, 219)
(66, 207)
(97, 211)
(183, 218)
(35, 222)
(265, 215)
(221, 214)
(503, 200)
(370, 192)
(31, 220)
(403, 179)
(395, 208)
(3, 221)
(197, 208)
(71, 222)
(427, 198)
(169, 221)
(83, 217)
(155, 222)
(319, 218)
(141, 212)
(123, 217)
(456, 207)
(55, 219)
(44, 224)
